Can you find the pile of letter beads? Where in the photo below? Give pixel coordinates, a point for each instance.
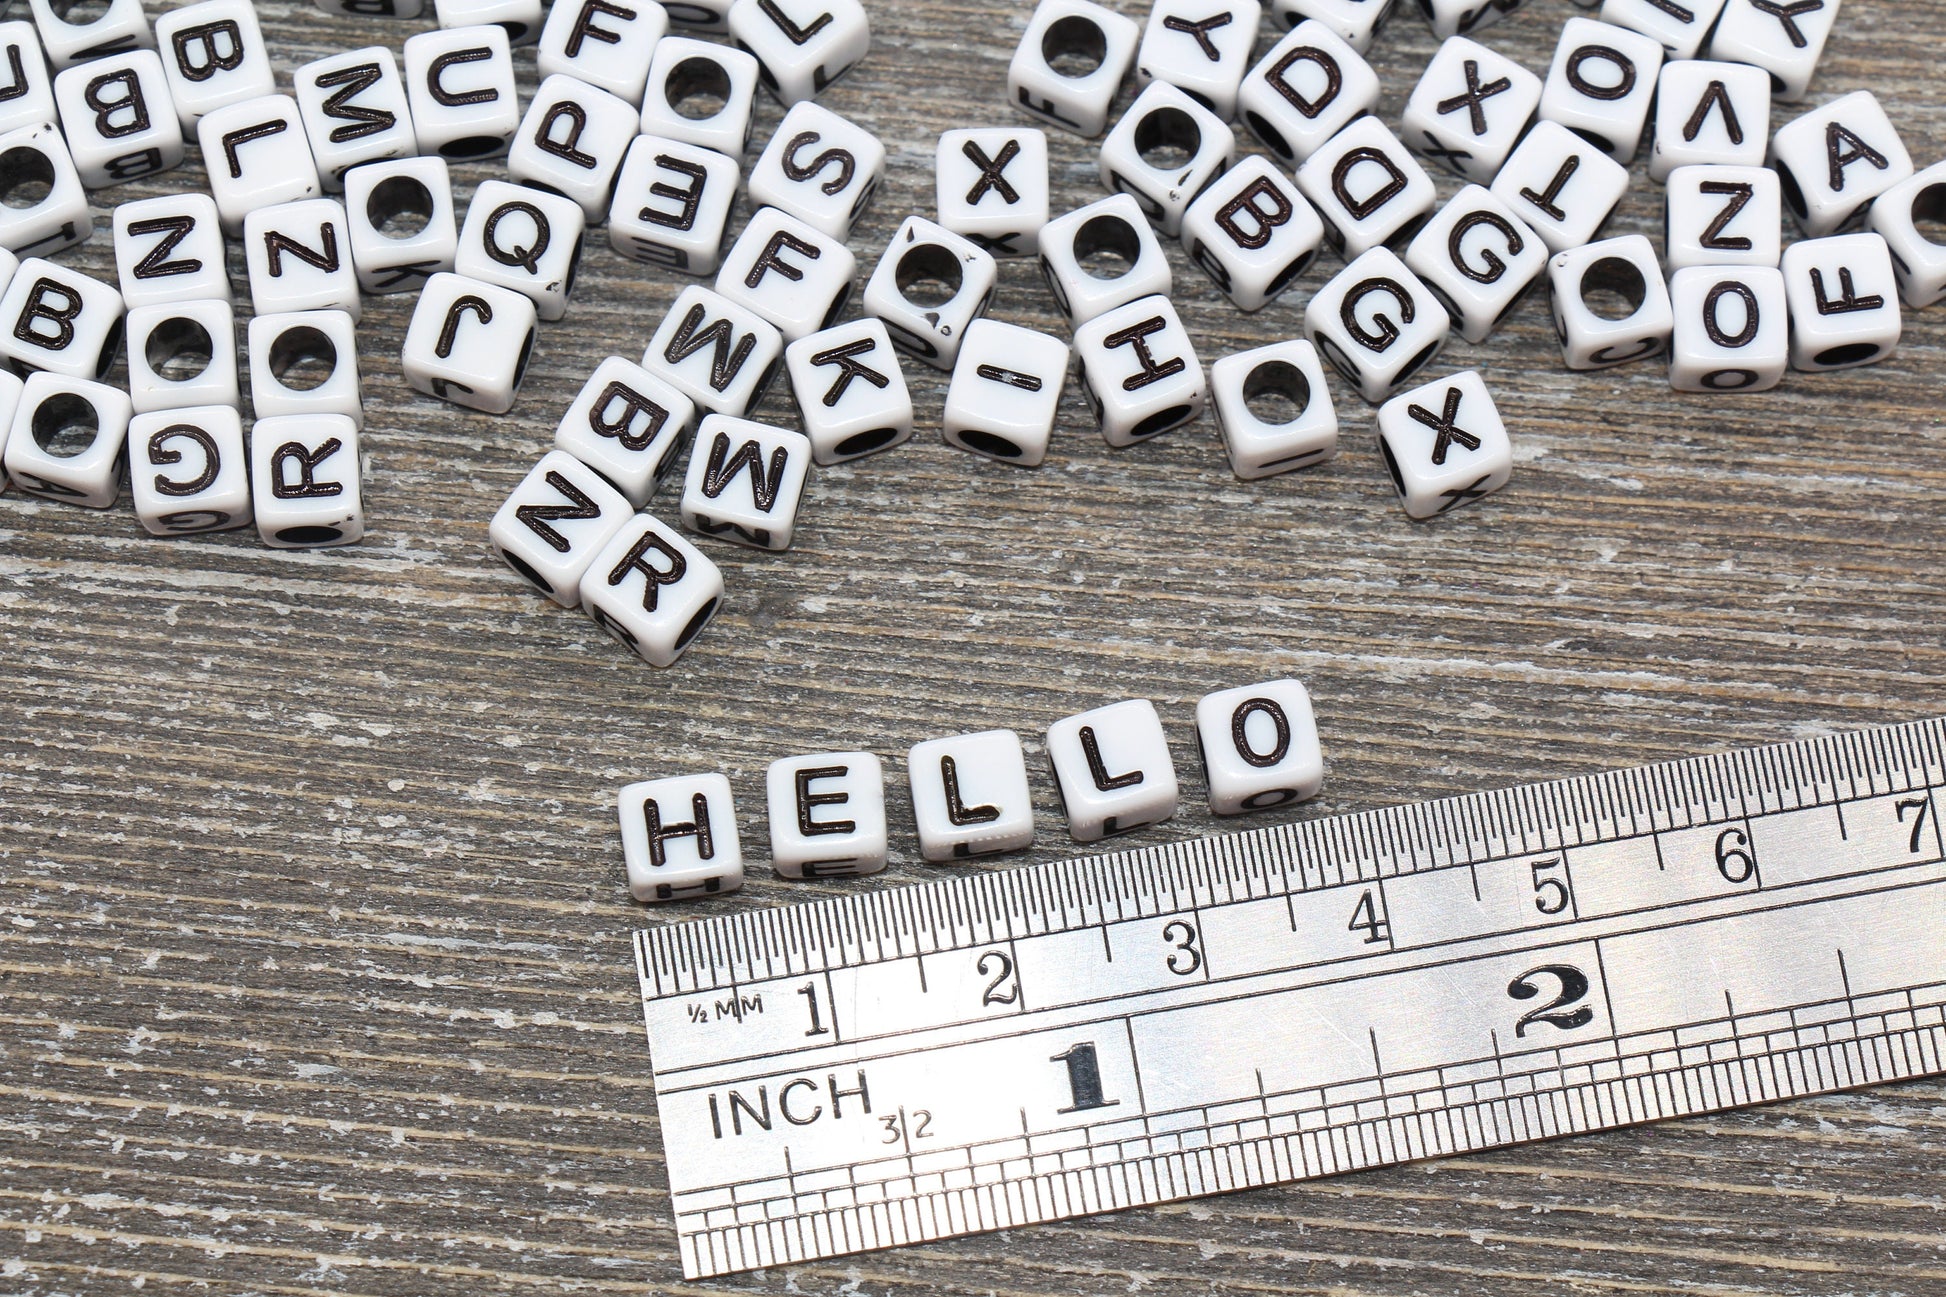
(971, 795)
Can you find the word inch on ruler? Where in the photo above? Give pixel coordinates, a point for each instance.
(999, 1049)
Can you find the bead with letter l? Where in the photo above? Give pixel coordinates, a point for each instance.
(970, 795)
(1113, 769)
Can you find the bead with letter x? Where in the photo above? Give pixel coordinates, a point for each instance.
(1452, 157)
(1475, 97)
(1459, 495)
(1443, 424)
(992, 172)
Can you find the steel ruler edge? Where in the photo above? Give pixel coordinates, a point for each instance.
(1301, 1000)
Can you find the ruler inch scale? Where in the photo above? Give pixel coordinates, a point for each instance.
(999, 1049)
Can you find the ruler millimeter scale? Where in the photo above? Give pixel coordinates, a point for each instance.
(999, 1049)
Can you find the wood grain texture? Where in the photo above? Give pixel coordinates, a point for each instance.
(315, 946)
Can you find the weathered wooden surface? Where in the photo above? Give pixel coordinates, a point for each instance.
(315, 943)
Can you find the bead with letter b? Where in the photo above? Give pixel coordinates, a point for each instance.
(628, 425)
(60, 320)
(1252, 233)
(121, 124)
(214, 54)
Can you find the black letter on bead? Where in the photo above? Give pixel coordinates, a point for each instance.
(173, 229)
(580, 508)
(449, 330)
(1136, 336)
(1240, 720)
(1098, 769)
(728, 354)
(1743, 336)
(577, 118)
(769, 260)
(1739, 195)
(1788, 13)
(161, 455)
(1011, 377)
(1388, 332)
(797, 35)
(61, 317)
(1200, 32)
(1476, 95)
(436, 87)
(1360, 208)
(346, 84)
(1842, 148)
(234, 140)
(1718, 95)
(847, 164)
(992, 171)
(1493, 267)
(1849, 300)
(849, 369)
(528, 258)
(721, 468)
(636, 560)
(1442, 424)
(634, 405)
(306, 487)
(1620, 61)
(1334, 80)
(277, 243)
(957, 811)
(1266, 219)
(130, 100)
(202, 39)
(698, 828)
(584, 25)
(17, 70)
(1545, 200)
(807, 801)
(691, 198)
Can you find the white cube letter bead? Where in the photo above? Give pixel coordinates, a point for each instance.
(992, 187)
(745, 482)
(1166, 150)
(1102, 256)
(523, 239)
(1723, 216)
(182, 354)
(67, 438)
(1783, 37)
(1844, 302)
(520, 19)
(701, 93)
(1709, 113)
(555, 522)
(629, 426)
(1367, 187)
(970, 796)
(1310, 86)
(188, 470)
(827, 815)
(928, 287)
(679, 838)
(1352, 21)
(652, 590)
(1444, 445)
(1138, 371)
(214, 55)
(257, 156)
(305, 362)
(672, 204)
(170, 249)
(1601, 84)
(1680, 25)
(1069, 64)
(850, 390)
(403, 228)
(1470, 108)
(1376, 324)
(36, 170)
(1610, 303)
(120, 122)
(1919, 261)
(60, 320)
(118, 27)
(25, 81)
(355, 111)
(469, 342)
(699, 15)
(1252, 232)
(460, 85)
(605, 43)
(572, 143)
(1259, 746)
(306, 481)
(1449, 18)
(1732, 329)
(1833, 161)
(1201, 48)
(1479, 259)
(1561, 185)
(715, 352)
(1005, 391)
(801, 46)
(797, 277)
(373, 8)
(1274, 409)
(820, 168)
(299, 258)
(1112, 769)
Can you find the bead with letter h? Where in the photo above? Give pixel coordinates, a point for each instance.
(188, 471)
(469, 342)
(1444, 445)
(355, 111)
(827, 815)
(850, 391)
(1470, 109)
(970, 795)
(1113, 769)
(672, 205)
(679, 838)
(1069, 64)
(1253, 233)
(629, 426)
(745, 482)
(992, 187)
(1310, 86)
(1259, 745)
(652, 590)
(1138, 371)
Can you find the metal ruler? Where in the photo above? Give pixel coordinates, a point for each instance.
(998, 1049)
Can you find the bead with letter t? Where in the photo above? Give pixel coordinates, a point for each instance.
(1113, 769)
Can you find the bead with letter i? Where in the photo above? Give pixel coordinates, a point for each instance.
(1005, 392)
(679, 838)
(1444, 445)
(827, 815)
